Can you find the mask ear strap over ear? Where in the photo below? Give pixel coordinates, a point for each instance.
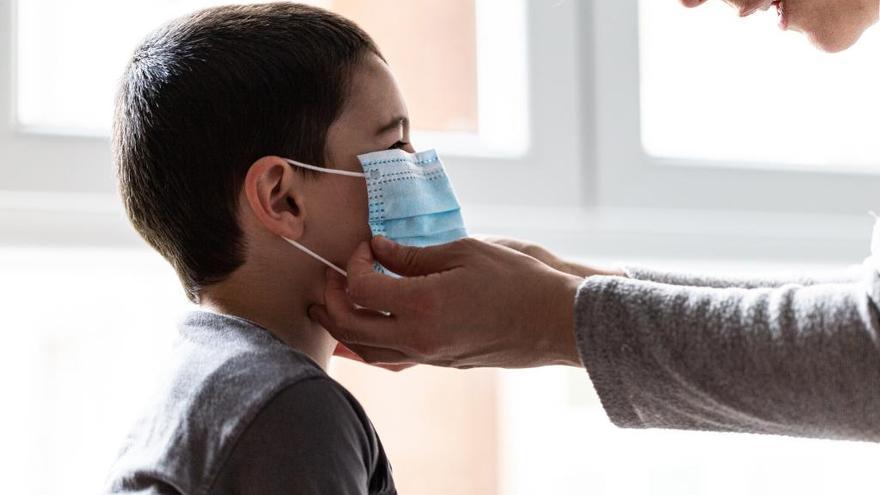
(325, 170)
(316, 256)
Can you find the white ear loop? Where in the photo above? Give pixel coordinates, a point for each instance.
(316, 256)
(326, 170)
(331, 265)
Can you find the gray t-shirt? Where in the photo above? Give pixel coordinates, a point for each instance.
(789, 357)
(239, 411)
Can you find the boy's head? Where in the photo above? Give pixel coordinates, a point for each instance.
(209, 105)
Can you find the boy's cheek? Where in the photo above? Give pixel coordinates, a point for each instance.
(342, 217)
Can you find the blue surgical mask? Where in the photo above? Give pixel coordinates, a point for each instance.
(411, 200)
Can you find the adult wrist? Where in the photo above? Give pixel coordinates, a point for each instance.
(585, 271)
(561, 344)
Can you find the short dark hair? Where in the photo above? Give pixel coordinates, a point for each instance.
(205, 96)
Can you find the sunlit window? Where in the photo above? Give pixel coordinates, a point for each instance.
(717, 88)
(461, 64)
(437, 68)
(82, 344)
(557, 439)
(87, 328)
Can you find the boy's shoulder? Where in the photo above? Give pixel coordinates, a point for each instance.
(236, 402)
(312, 437)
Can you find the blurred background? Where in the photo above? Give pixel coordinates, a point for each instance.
(608, 130)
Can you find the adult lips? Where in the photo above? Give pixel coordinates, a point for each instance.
(780, 10)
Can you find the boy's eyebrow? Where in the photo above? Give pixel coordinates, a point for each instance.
(395, 123)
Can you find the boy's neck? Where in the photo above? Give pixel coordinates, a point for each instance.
(282, 313)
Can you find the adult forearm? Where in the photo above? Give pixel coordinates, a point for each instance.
(792, 360)
(722, 281)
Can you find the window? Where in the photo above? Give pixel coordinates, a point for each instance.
(79, 370)
(564, 444)
(679, 130)
(724, 89)
(66, 82)
(469, 86)
(564, 126)
(80, 353)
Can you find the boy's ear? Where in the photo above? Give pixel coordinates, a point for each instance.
(273, 191)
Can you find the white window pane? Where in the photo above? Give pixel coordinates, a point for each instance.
(85, 333)
(559, 440)
(71, 55)
(443, 62)
(715, 87)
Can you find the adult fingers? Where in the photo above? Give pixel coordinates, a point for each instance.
(355, 325)
(383, 357)
(412, 261)
(344, 352)
(344, 320)
(369, 288)
(692, 3)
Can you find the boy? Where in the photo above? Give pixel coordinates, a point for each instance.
(209, 108)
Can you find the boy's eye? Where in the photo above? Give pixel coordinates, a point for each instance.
(398, 145)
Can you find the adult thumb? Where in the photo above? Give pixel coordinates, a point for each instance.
(412, 261)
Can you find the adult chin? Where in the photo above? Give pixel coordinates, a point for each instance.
(832, 44)
(832, 33)
(831, 40)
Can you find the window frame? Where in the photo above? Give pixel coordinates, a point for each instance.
(629, 177)
(79, 164)
(583, 187)
(43, 162)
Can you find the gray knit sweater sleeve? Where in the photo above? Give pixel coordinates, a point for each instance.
(853, 274)
(790, 359)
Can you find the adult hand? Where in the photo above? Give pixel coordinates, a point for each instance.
(465, 304)
(345, 352)
(543, 255)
